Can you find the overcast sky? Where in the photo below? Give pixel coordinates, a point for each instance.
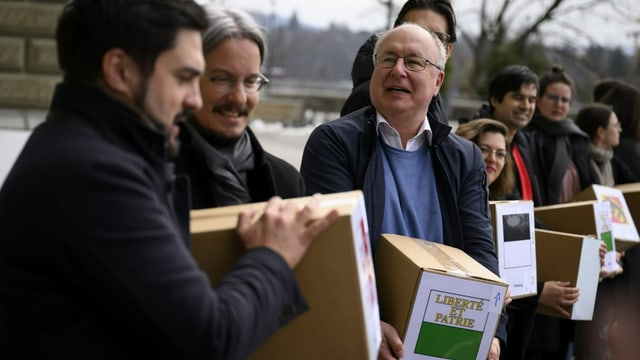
(370, 15)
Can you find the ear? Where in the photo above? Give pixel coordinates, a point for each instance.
(600, 133)
(494, 102)
(120, 73)
(439, 82)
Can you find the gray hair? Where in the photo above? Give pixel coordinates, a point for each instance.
(231, 23)
(442, 59)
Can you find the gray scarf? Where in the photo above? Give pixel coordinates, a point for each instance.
(228, 166)
(601, 164)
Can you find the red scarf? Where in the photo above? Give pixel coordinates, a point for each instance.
(525, 182)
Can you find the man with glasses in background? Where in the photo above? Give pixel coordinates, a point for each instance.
(219, 152)
(418, 178)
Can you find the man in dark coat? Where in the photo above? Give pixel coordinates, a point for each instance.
(219, 152)
(93, 255)
(418, 178)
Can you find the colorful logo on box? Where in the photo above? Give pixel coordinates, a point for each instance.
(618, 214)
(452, 326)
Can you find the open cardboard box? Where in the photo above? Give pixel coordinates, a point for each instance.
(336, 277)
(444, 304)
(515, 240)
(573, 258)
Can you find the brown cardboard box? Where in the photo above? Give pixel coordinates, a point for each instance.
(625, 232)
(444, 304)
(336, 277)
(573, 258)
(588, 218)
(515, 240)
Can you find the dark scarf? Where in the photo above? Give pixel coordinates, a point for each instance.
(227, 164)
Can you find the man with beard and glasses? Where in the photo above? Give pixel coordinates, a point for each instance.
(220, 153)
(94, 262)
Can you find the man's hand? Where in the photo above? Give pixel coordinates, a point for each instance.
(557, 294)
(283, 227)
(494, 350)
(391, 346)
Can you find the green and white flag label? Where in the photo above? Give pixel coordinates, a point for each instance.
(453, 318)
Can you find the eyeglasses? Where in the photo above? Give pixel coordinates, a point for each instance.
(251, 85)
(555, 98)
(444, 37)
(487, 151)
(411, 62)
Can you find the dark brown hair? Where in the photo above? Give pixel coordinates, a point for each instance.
(473, 130)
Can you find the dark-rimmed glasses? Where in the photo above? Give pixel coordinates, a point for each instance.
(411, 62)
(444, 37)
(224, 83)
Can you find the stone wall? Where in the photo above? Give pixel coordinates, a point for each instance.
(28, 61)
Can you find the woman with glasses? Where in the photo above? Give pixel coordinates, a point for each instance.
(602, 125)
(562, 146)
(491, 137)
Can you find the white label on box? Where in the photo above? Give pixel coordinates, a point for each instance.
(516, 246)
(453, 318)
(604, 229)
(588, 277)
(623, 225)
(367, 278)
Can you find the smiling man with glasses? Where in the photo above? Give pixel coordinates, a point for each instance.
(418, 178)
(223, 158)
(435, 15)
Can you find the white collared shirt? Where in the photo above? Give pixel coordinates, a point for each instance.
(391, 136)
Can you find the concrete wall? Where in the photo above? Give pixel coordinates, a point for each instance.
(28, 61)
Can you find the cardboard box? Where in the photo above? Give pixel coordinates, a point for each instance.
(444, 304)
(631, 194)
(336, 277)
(592, 218)
(625, 232)
(569, 257)
(514, 236)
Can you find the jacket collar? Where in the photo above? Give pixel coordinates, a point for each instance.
(113, 120)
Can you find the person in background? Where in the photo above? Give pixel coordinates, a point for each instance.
(94, 257)
(563, 153)
(624, 98)
(562, 146)
(418, 178)
(437, 16)
(491, 137)
(512, 101)
(223, 158)
(602, 125)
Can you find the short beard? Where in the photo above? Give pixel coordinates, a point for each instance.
(172, 144)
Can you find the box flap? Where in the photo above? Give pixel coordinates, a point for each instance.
(441, 258)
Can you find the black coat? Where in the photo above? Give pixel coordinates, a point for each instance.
(93, 256)
(557, 143)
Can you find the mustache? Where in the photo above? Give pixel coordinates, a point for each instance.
(230, 108)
